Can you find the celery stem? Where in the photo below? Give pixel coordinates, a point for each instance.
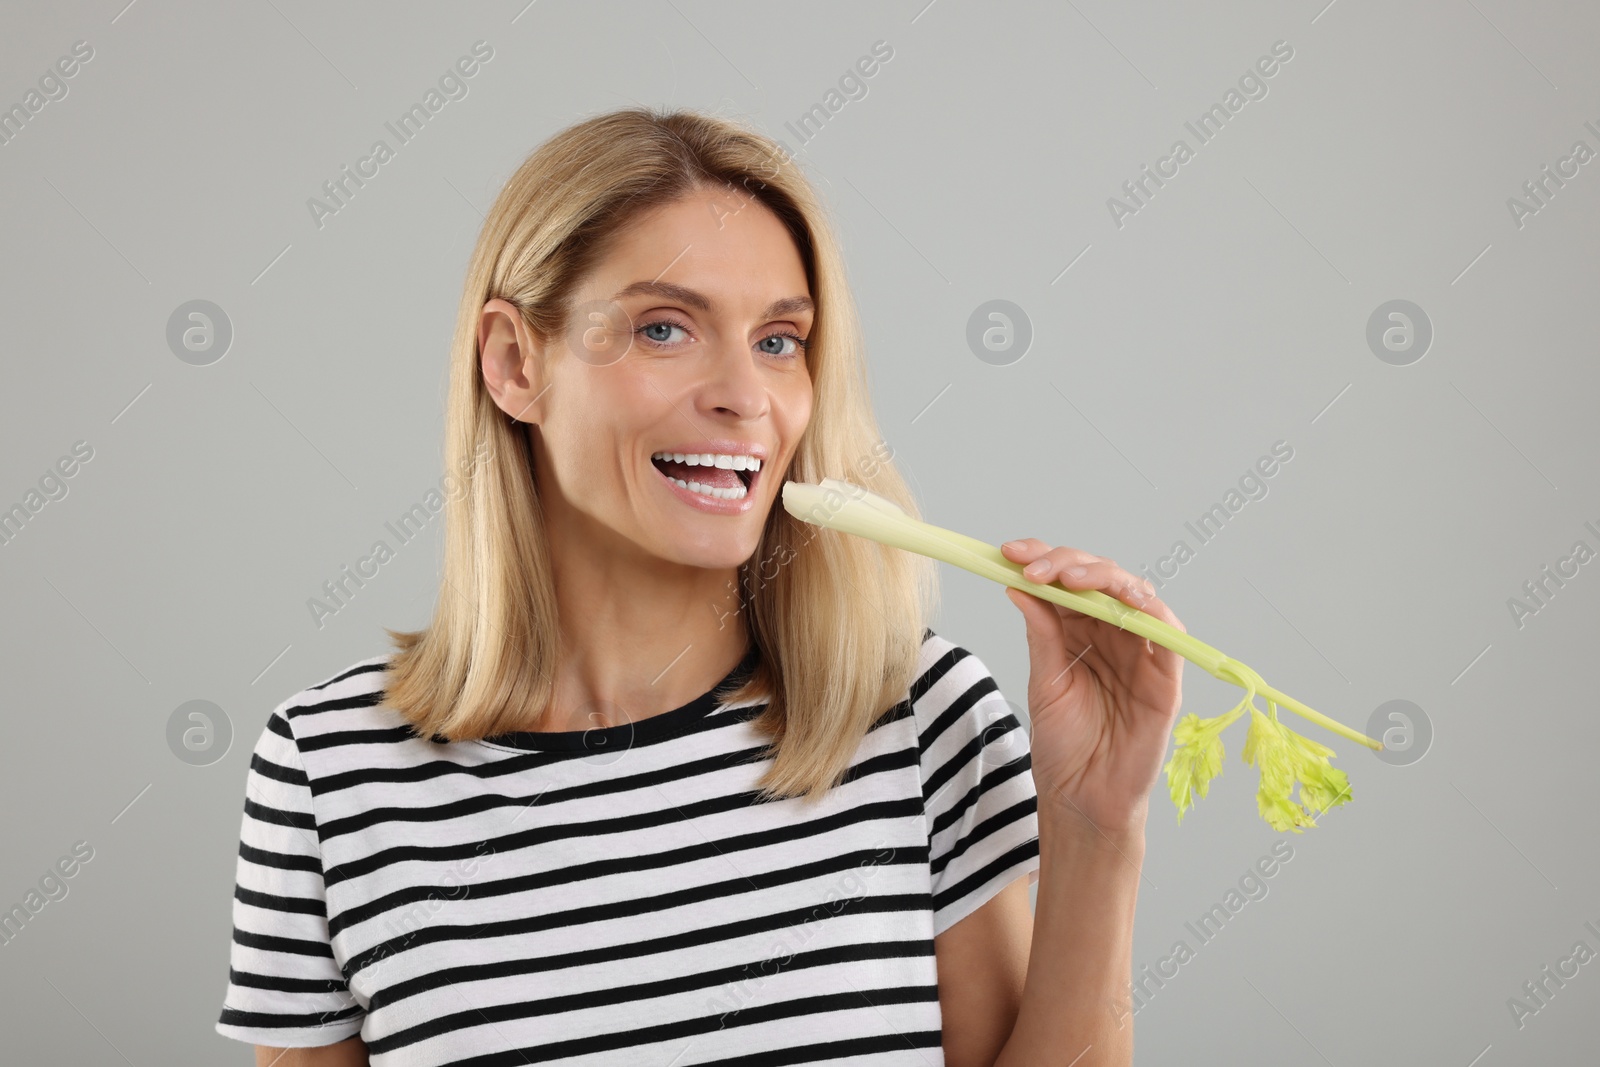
(987, 561)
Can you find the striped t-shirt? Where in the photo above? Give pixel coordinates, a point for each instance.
(618, 895)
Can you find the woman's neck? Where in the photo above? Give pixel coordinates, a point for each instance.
(638, 635)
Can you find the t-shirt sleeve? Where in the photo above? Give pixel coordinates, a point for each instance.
(978, 792)
(285, 989)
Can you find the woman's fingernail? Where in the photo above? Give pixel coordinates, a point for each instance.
(1012, 545)
(1078, 572)
(1037, 569)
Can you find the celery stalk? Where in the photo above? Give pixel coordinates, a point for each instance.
(1283, 756)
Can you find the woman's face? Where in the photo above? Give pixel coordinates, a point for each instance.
(682, 346)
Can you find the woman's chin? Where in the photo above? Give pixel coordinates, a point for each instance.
(711, 549)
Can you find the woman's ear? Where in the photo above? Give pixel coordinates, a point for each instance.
(511, 359)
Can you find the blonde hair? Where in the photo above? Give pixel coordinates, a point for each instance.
(838, 620)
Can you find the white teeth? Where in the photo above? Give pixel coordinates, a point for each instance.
(707, 459)
(736, 493)
(724, 460)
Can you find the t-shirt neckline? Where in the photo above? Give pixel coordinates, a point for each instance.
(624, 735)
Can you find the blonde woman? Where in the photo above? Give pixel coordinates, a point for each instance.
(670, 777)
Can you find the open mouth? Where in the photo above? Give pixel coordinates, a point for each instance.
(722, 476)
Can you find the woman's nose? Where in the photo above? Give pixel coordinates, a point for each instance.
(733, 382)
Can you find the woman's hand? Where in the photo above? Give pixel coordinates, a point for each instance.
(1102, 701)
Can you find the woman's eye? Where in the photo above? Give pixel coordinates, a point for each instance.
(659, 332)
(795, 344)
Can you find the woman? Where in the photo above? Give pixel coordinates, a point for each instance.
(671, 777)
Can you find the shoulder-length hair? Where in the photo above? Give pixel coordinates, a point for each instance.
(837, 621)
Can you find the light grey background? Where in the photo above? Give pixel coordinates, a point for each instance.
(1168, 355)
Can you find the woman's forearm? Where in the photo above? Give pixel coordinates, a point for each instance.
(1073, 1002)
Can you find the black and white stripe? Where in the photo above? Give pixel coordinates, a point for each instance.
(617, 895)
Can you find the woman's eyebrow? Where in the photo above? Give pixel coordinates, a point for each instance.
(700, 302)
